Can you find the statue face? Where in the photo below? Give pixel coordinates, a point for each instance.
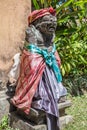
(47, 25)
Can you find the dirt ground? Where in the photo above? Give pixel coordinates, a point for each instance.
(13, 21)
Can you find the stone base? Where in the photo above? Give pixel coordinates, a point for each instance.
(39, 117)
(64, 120)
(35, 120)
(16, 121)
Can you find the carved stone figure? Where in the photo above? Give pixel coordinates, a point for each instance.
(39, 84)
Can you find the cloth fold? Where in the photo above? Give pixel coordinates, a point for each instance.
(49, 58)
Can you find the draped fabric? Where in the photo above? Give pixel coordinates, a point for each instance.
(49, 58)
(31, 70)
(46, 97)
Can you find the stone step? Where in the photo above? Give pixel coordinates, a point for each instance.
(39, 117)
(64, 120)
(16, 121)
(65, 104)
(5, 107)
(62, 107)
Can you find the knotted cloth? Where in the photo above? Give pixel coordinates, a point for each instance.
(49, 58)
(40, 13)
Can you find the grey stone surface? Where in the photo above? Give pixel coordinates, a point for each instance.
(16, 121)
(4, 104)
(64, 120)
(38, 117)
(65, 104)
(62, 107)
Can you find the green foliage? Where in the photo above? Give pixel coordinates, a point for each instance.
(73, 54)
(71, 37)
(76, 85)
(41, 3)
(4, 124)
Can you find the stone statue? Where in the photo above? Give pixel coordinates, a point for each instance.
(39, 83)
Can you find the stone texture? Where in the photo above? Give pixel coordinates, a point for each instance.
(16, 121)
(65, 104)
(38, 117)
(62, 107)
(64, 120)
(4, 104)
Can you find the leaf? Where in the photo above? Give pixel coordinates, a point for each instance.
(42, 1)
(68, 67)
(82, 59)
(65, 4)
(62, 70)
(73, 64)
(36, 4)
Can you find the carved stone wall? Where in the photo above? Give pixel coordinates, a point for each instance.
(13, 21)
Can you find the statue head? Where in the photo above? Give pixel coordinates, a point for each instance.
(46, 24)
(44, 20)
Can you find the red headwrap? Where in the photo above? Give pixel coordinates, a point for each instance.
(40, 13)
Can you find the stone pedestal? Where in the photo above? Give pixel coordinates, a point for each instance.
(36, 120)
(17, 121)
(38, 117)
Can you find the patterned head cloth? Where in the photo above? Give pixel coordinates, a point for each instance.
(40, 13)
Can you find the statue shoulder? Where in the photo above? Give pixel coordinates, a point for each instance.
(33, 35)
(30, 34)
